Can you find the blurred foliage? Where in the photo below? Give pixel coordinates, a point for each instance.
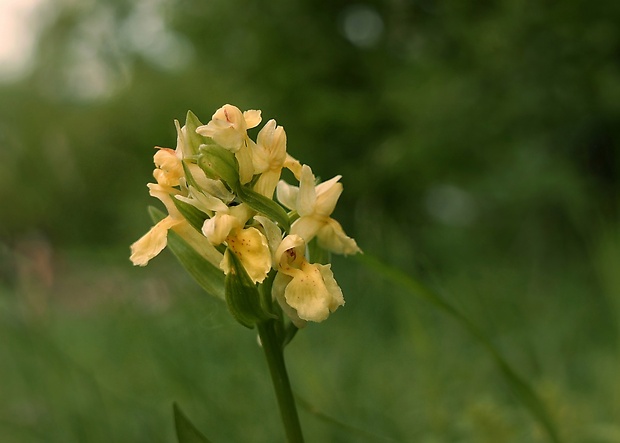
(478, 143)
(512, 106)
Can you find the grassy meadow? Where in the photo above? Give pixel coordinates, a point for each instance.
(100, 353)
(479, 144)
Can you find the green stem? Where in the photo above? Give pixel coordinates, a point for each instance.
(274, 353)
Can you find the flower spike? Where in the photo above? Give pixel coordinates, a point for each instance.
(218, 188)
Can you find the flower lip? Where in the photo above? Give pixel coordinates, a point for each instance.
(305, 291)
(252, 249)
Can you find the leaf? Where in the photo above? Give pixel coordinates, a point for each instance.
(264, 205)
(526, 394)
(209, 277)
(185, 429)
(360, 433)
(242, 296)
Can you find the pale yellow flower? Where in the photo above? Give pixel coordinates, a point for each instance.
(152, 243)
(269, 157)
(218, 227)
(248, 244)
(305, 291)
(252, 249)
(170, 176)
(315, 204)
(168, 170)
(228, 128)
(156, 239)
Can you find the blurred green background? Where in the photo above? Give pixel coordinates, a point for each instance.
(479, 145)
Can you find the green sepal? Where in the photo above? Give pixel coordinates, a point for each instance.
(192, 214)
(186, 431)
(242, 296)
(264, 205)
(217, 162)
(317, 254)
(209, 277)
(194, 140)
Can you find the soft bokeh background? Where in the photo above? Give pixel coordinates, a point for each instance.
(479, 144)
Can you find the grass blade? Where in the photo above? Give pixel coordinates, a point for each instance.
(185, 429)
(524, 392)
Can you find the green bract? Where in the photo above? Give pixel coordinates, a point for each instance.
(218, 163)
(264, 206)
(193, 139)
(242, 295)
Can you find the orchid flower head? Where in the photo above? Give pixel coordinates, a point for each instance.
(217, 187)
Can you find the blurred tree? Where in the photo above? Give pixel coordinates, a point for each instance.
(494, 120)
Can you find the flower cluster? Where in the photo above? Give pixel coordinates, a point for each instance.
(218, 187)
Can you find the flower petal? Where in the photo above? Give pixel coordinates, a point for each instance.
(217, 228)
(227, 128)
(293, 165)
(280, 282)
(252, 248)
(310, 295)
(230, 139)
(260, 159)
(272, 139)
(267, 182)
(306, 199)
(307, 227)
(324, 186)
(169, 169)
(244, 158)
(232, 115)
(270, 148)
(328, 194)
(214, 126)
(151, 243)
(331, 236)
(287, 194)
(164, 193)
(252, 118)
(336, 299)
